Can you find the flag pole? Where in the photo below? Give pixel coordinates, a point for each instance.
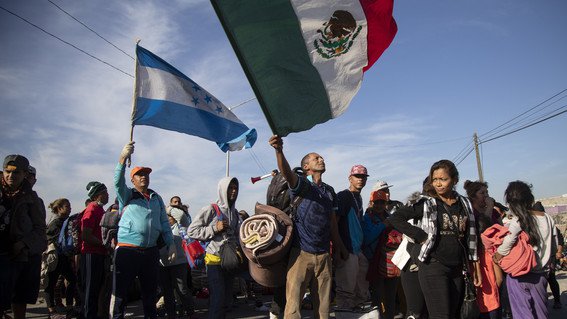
(134, 95)
(227, 163)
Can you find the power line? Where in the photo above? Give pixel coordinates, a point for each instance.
(525, 120)
(462, 151)
(529, 110)
(259, 161)
(384, 146)
(242, 103)
(525, 126)
(255, 158)
(90, 29)
(468, 153)
(68, 43)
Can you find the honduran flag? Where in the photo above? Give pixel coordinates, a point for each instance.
(168, 99)
(305, 59)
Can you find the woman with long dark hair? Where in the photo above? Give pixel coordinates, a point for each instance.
(445, 241)
(528, 295)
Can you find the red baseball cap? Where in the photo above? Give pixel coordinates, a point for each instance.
(358, 170)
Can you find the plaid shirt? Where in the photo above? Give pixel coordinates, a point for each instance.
(429, 225)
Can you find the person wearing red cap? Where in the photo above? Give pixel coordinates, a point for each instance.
(142, 230)
(22, 237)
(350, 273)
(380, 244)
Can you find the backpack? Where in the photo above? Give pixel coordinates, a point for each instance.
(69, 241)
(109, 227)
(278, 194)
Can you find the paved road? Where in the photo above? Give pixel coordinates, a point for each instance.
(246, 309)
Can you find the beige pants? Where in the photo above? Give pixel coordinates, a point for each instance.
(308, 270)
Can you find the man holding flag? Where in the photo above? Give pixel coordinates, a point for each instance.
(166, 98)
(142, 223)
(315, 223)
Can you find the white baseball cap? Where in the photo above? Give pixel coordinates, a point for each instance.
(381, 185)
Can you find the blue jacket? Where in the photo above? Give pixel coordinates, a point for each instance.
(372, 228)
(142, 220)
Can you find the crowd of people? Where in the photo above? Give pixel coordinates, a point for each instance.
(412, 260)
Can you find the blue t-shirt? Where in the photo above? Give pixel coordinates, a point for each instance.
(349, 216)
(313, 216)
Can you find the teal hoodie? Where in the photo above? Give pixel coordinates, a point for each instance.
(142, 220)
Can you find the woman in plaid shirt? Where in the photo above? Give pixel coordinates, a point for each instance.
(444, 243)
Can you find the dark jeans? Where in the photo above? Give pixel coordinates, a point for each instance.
(64, 268)
(443, 289)
(554, 286)
(130, 262)
(414, 296)
(385, 291)
(92, 272)
(278, 303)
(173, 281)
(220, 291)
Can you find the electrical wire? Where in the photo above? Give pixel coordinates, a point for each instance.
(484, 135)
(242, 103)
(255, 159)
(376, 146)
(258, 160)
(460, 161)
(524, 127)
(90, 29)
(462, 151)
(68, 43)
(525, 120)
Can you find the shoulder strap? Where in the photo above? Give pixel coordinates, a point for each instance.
(217, 210)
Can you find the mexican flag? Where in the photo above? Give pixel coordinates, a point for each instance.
(305, 59)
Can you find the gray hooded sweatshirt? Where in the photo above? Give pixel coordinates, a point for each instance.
(204, 228)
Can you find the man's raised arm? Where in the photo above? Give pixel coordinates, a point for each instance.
(277, 143)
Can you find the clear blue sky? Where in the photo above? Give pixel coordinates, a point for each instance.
(454, 68)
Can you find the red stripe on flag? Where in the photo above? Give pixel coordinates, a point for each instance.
(381, 27)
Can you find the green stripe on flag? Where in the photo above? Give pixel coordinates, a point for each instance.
(267, 39)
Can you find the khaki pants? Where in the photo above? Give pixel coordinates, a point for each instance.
(350, 278)
(308, 270)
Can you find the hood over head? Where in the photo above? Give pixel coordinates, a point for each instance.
(223, 190)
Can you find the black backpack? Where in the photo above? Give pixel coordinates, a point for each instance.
(278, 194)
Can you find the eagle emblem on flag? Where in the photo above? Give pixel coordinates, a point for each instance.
(337, 35)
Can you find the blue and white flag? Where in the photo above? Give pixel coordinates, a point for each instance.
(168, 99)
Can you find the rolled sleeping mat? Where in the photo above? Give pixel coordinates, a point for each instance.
(266, 236)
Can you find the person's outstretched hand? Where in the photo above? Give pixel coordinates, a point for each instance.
(127, 151)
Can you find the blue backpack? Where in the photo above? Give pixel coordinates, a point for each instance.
(69, 241)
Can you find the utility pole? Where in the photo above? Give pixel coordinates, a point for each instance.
(475, 140)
